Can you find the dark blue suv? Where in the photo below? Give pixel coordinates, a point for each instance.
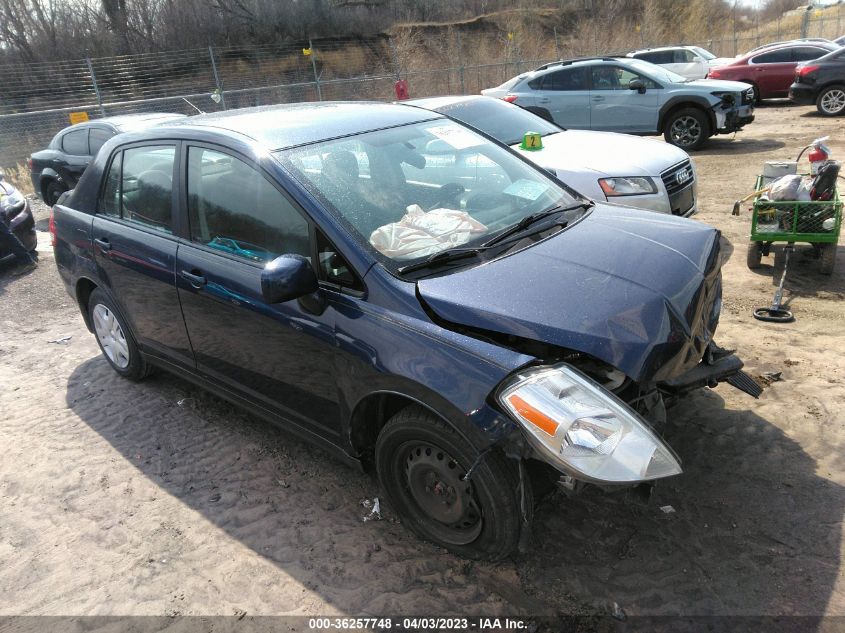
(405, 292)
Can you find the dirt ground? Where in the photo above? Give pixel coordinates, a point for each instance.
(159, 499)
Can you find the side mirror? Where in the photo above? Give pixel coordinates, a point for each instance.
(638, 85)
(288, 277)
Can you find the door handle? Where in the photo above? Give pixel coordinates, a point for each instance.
(598, 98)
(103, 243)
(543, 100)
(197, 281)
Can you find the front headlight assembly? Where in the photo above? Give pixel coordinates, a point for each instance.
(584, 430)
(627, 186)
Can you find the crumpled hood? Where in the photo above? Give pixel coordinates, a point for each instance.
(606, 153)
(635, 289)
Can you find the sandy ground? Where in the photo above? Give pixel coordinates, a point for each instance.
(159, 499)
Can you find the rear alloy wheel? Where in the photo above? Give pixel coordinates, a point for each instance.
(687, 128)
(831, 101)
(421, 463)
(114, 338)
(53, 192)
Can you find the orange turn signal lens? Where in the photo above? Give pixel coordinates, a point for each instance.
(535, 416)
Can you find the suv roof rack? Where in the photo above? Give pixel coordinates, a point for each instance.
(567, 62)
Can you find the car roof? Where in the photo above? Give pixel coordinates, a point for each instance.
(789, 44)
(661, 48)
(580, 60)
(289, 125)
(433, 103)
(126, 122)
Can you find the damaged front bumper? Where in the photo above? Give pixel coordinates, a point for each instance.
(733, 120)
(718, 365)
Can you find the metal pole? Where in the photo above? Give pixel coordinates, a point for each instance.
(557, 45)
(96, 87)
(805, 19)
(314, 68)
(217, 78)
(461, 62)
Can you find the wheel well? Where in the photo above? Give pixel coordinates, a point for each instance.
(371, 413)
(45, 182)
(687, 104)
(84, 288)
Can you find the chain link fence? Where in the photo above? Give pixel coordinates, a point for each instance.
(39, 98)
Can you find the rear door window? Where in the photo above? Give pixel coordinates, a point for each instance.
(806, 53)
(567, 79)
(779, 56)
(97, 138)
(233, 208)
(75, 142)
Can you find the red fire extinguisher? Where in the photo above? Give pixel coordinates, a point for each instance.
(819, 152)
(401, 88)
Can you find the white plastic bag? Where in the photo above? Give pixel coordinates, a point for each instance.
(791, 188)
(419, 233)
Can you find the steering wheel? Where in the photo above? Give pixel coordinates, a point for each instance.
(448, 193)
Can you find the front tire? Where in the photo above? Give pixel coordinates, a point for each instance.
(831, 101)
(114, 338)
(420, 462)
(686, 128)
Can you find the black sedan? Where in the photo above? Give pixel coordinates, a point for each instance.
(822, 81)
(57, 168)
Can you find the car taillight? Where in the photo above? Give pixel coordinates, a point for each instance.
(52, 226)
(29, 163)
(803, 71)
(510, 98)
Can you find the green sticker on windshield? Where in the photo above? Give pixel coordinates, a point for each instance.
(532, 141)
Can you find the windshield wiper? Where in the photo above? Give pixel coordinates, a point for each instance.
(528, 220)
(443, 257)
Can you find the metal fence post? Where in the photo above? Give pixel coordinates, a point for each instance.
(217, 78)
(96, 87)
(314, 68)
(461, 63)
(805, 19)
(557, 45)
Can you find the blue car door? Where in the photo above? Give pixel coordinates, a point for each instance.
(135, 244)
(615, 107)
(280, 356)
(565, 93)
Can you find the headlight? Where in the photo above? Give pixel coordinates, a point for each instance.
(627, 186)
(583, 429)
(12, 200)
(728, 98)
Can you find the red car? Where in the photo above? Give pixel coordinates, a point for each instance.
(771, 70)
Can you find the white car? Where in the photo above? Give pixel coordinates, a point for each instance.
(692, 62)
(618, 168)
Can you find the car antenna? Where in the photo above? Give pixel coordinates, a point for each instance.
(192, 105)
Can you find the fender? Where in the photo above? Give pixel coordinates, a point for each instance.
(693, 100)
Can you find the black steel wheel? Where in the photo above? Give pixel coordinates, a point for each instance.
(421, 463)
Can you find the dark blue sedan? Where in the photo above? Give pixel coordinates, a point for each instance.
(405, 292)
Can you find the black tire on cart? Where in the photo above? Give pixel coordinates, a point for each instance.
(827, 261)
(755, 255)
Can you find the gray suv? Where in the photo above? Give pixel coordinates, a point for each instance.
(633, 96)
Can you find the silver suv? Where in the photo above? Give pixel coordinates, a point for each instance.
(633, 96)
